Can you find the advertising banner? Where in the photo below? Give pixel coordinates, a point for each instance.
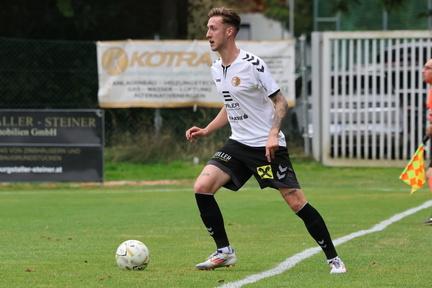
(51, 145)
(157, 74)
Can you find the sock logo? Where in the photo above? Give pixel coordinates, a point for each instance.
(321, 243)
(211, 232)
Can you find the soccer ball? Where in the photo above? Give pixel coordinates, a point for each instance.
(132, 255)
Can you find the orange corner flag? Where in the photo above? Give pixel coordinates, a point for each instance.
(414, 172)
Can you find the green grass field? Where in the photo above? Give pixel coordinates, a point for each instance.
(65, 235)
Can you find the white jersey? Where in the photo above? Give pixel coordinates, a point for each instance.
(245, 87)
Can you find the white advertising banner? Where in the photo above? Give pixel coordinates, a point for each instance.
(137, 73)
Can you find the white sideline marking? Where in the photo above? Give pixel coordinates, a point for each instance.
(292, 261)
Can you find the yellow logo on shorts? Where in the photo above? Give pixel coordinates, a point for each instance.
(265, 172)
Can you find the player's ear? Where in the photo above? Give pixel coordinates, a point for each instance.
(230, 31)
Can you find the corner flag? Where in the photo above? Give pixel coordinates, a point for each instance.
(414, 172)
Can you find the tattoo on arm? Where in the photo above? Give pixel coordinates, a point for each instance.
(205, 174)
(281, 108)
(289, 193)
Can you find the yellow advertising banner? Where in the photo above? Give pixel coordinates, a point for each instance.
(153, 73)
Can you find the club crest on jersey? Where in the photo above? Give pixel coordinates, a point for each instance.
(265, 172)
(235, 81)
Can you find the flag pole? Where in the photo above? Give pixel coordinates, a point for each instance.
(425, 139)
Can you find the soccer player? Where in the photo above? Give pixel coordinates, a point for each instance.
(255, 108)
(427, 78)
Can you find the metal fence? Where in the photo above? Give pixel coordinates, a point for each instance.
(368, 96)
(63, 75)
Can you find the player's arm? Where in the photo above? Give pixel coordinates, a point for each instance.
(429, 131)
(218, 122)
(280, 112)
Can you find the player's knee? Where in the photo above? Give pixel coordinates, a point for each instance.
(294, 198)
(203, 188)
(295, 207)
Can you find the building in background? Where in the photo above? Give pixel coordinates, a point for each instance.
(256, 27)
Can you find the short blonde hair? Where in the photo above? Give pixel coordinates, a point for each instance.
(229, 16)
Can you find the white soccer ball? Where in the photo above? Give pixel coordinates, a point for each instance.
(132, 255)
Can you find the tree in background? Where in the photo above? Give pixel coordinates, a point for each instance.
(93, 20)
(303, 17)
(278, 10)
(130, 19)
(198, 10)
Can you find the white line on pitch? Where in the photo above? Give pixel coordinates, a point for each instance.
(294, 260)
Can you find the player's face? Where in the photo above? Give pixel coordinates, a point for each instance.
(427, 72)
(216, 33)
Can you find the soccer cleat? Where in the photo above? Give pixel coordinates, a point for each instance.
(427, 222)
(218, 259)
(337, 266)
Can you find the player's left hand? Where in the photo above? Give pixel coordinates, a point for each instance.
(272, 146)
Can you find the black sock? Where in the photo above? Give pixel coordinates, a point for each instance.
(317, 229)
(212, 219)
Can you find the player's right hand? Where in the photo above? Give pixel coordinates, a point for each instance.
(193, 132)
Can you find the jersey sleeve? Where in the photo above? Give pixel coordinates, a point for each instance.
(266, 81)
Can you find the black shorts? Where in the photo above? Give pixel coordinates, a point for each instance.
(241, 162)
